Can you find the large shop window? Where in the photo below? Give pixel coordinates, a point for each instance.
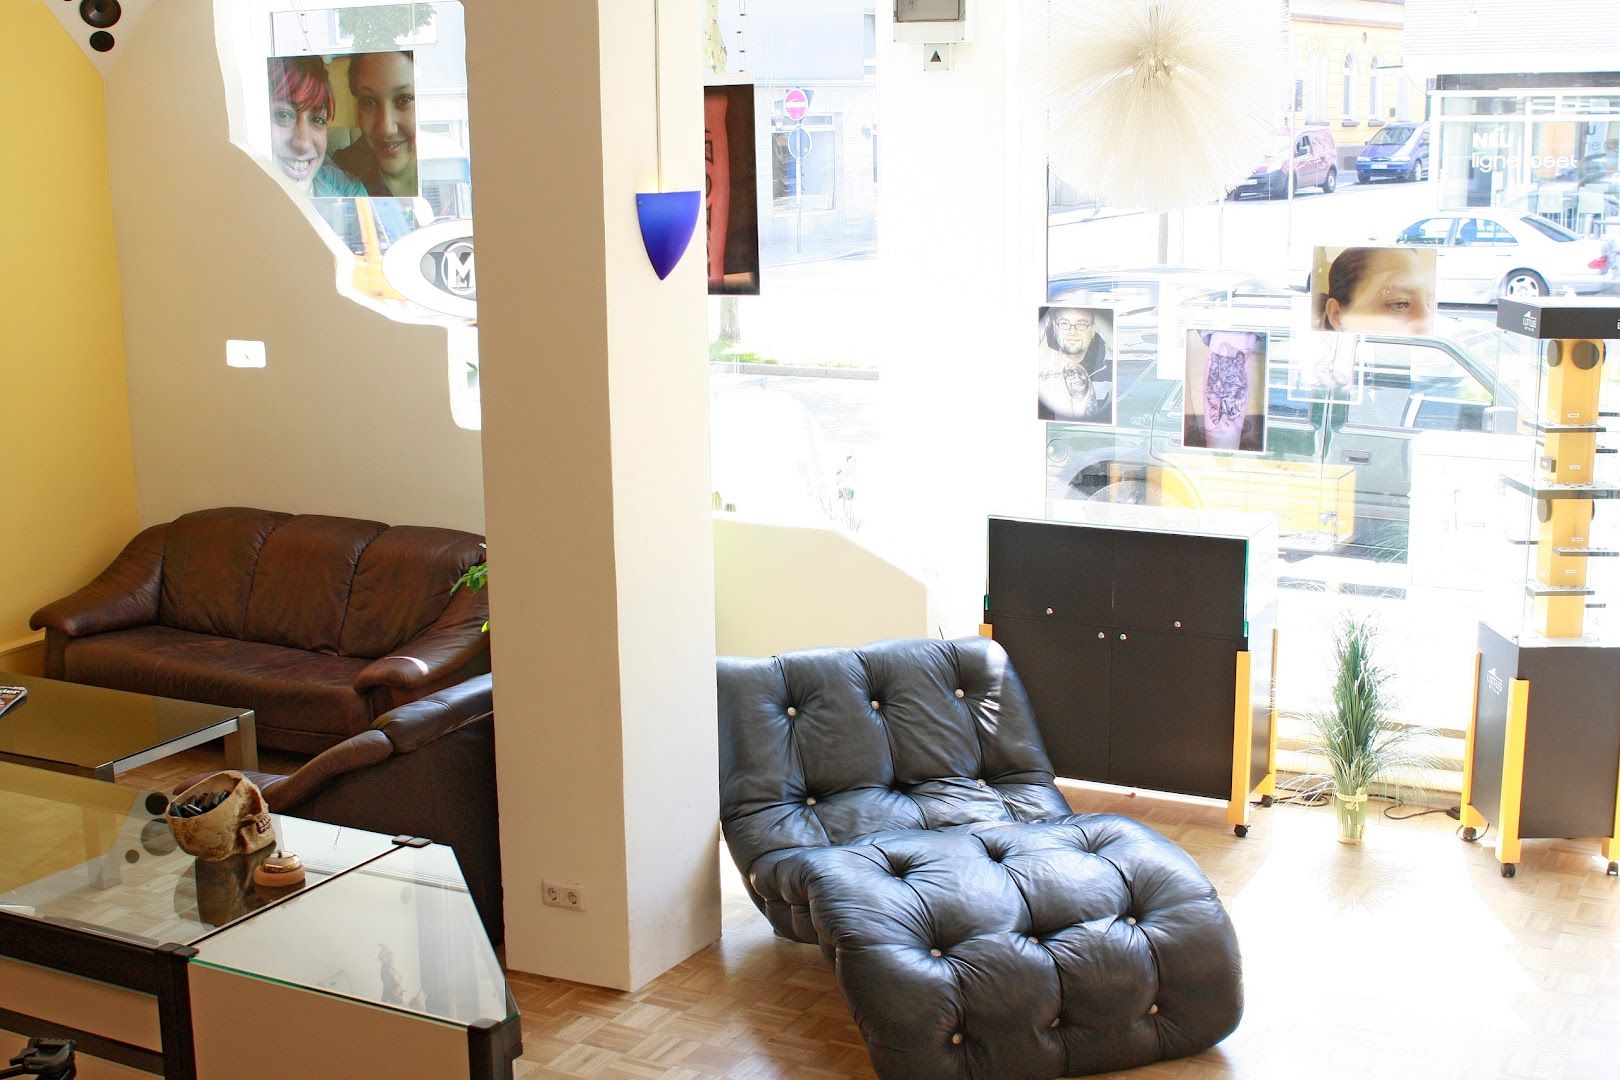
(359, 111)
(1384, 478)
(794, 370)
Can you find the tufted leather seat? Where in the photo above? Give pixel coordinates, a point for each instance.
(894, 805)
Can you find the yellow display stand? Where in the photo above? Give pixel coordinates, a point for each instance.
(1542, 756)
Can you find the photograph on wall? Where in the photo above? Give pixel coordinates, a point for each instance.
(731, 189)
(345, 128)
(1076, 380)
(1224, 398)
(1373, 290)
(1327, 368)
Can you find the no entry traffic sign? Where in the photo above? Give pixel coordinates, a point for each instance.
(795, 104)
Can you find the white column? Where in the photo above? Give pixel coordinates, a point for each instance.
(596, 485)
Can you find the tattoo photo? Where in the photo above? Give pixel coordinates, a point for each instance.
(1223, 403)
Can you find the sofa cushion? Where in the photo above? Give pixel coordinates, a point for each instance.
(402, 585)
(208, 562)
(301, 586)
(301, 700)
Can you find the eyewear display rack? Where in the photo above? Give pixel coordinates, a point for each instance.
(1146, 639)
(1542, 757)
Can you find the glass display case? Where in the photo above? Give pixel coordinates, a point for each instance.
(149, 958)
(1558, 562)
(1543, 751)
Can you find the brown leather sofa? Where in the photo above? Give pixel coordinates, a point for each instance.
(318, 624)
(424, 769)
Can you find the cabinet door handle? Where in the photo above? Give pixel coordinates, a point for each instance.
(1101, 635)
(1122, 637)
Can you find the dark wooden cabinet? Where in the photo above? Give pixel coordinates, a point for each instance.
(1147, 653)
(1172, 705)
(1070, 690)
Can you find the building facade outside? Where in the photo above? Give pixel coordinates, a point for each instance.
(1350, 73)
(1527, 105)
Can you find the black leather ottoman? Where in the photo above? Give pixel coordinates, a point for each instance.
(894, 805)
(1079, 945)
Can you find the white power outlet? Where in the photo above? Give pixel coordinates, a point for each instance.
(563, 894)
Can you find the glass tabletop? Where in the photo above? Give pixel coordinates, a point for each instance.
(90, 727)
(98, 857)
(399, 932)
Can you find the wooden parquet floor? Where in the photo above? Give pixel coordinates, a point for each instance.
(1408, 958)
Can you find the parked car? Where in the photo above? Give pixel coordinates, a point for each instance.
(1338, 477)
(1485, 252)
(1313, 161)
(1399, 151)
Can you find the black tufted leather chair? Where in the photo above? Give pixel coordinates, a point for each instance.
(894, 805)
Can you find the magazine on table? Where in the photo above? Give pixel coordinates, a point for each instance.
(11, 695)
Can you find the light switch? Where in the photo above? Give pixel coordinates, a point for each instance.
(244, 353)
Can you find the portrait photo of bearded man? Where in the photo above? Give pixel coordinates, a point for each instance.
(1076, 365)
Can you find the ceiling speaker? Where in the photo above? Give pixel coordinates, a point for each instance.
(101, 28)
(100, 13)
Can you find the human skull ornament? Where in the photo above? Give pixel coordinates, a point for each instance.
(238, 825)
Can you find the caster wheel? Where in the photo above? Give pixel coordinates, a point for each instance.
(1509, 869)
(1266, 800)
(1470, 834)
(1240, 830)
(1614, 869)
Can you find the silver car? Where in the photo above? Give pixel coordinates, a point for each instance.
(1485, 252)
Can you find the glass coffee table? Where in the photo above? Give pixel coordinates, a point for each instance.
(155, 961)
(93, 731)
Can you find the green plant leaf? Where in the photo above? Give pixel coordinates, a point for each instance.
(1358, 736)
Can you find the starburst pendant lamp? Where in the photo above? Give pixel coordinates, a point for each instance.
(1161, 103)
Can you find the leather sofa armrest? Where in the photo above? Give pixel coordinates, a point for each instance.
(123, 595)
(284, 793)
(419, 722)
(445, 648)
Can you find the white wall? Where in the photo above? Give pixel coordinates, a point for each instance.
(596, 482)
(351, 416)
(782, 587)
(962, 243)
(1475, 36)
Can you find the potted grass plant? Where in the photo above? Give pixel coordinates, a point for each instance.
(1358, 735)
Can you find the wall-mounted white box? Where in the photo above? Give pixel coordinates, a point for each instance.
(244, 353)
(931, 21)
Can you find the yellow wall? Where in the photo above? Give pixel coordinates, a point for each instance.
(67, 476)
